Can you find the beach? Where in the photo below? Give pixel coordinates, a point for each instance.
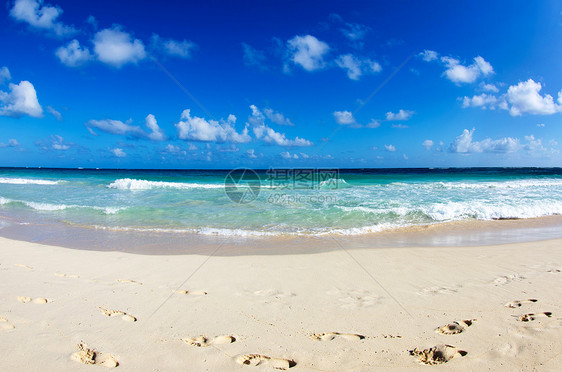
(338, 308)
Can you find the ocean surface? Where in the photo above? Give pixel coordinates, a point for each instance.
(275, 202)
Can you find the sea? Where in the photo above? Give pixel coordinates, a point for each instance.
(250, 203)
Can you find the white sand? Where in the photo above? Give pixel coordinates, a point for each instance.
(273, 304)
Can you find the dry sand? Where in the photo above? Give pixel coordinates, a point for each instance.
(339, 310)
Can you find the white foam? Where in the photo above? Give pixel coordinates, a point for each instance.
(38, 206)
(28, 181)
(134, 184)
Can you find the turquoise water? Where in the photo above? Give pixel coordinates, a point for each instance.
(351, 202)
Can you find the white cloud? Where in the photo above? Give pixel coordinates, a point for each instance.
(344, 118)
(355, 67)
(428, 144)
(20, 100)
(483, 100)
(171, 47)
(373, 124)
(253, 56)
(198, 129)
(405, 156)
(390, 148)
(400, 126)
(156, 133)
(192, 147)
(465, 144)
(117, 48)
(11, 143)
(354, 31)
(116, 127)
(489, 88)
(4, 75)
(54, 112)
(287, 155)
(459, 73)
(541, 125)
(525, 97)
(277, 117)
(40, 16)
(268, 135)
(429, 55)
(251, 153)
(400, 115)
(118, 152)
(73, 54)
(307, 52)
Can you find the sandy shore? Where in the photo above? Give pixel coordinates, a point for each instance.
(373, 306)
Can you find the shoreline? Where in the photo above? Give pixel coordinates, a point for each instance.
(273, 305)
(447, 234)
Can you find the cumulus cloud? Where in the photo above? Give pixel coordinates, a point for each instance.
(344, 118)
(11, 143)
(253, 56)
(307, 52)
(20, 100)
(268, 135)
(354, 31)
(126, 129)
(116, 127)
(156, 133)
(118, 152)
(277, 117)
(4, 75)
(54, 112)
(464, 144)
(40, 16)
(428, 144)
(373, 124)
(288, 155)
(482, 100)
(73, 54)
(355, 67)
(171, 47)
(429, 55)
(251, 153)
(525, 97)
(116, 47)
(54, 142)
(489, 88)
(458, 73)
(400, 115)
(390, 148)
(198, 129)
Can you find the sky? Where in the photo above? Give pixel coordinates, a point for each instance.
(222, 84)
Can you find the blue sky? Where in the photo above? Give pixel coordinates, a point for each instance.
(219, 84)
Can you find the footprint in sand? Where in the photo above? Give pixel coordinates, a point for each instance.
(506, 279)
(355, 298)
(437, 290)
(128, 281)
(329, 336)
(4, 324)
(61, 275)
(204, 341)
(258, 359)
(554, 271)
(532, 316)
(437, 355)
(190, 293)
(269, 293)
(38, 300)
(519, 303)
(111, 313)
(24, 266)
(455, 327)
(85, 355)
